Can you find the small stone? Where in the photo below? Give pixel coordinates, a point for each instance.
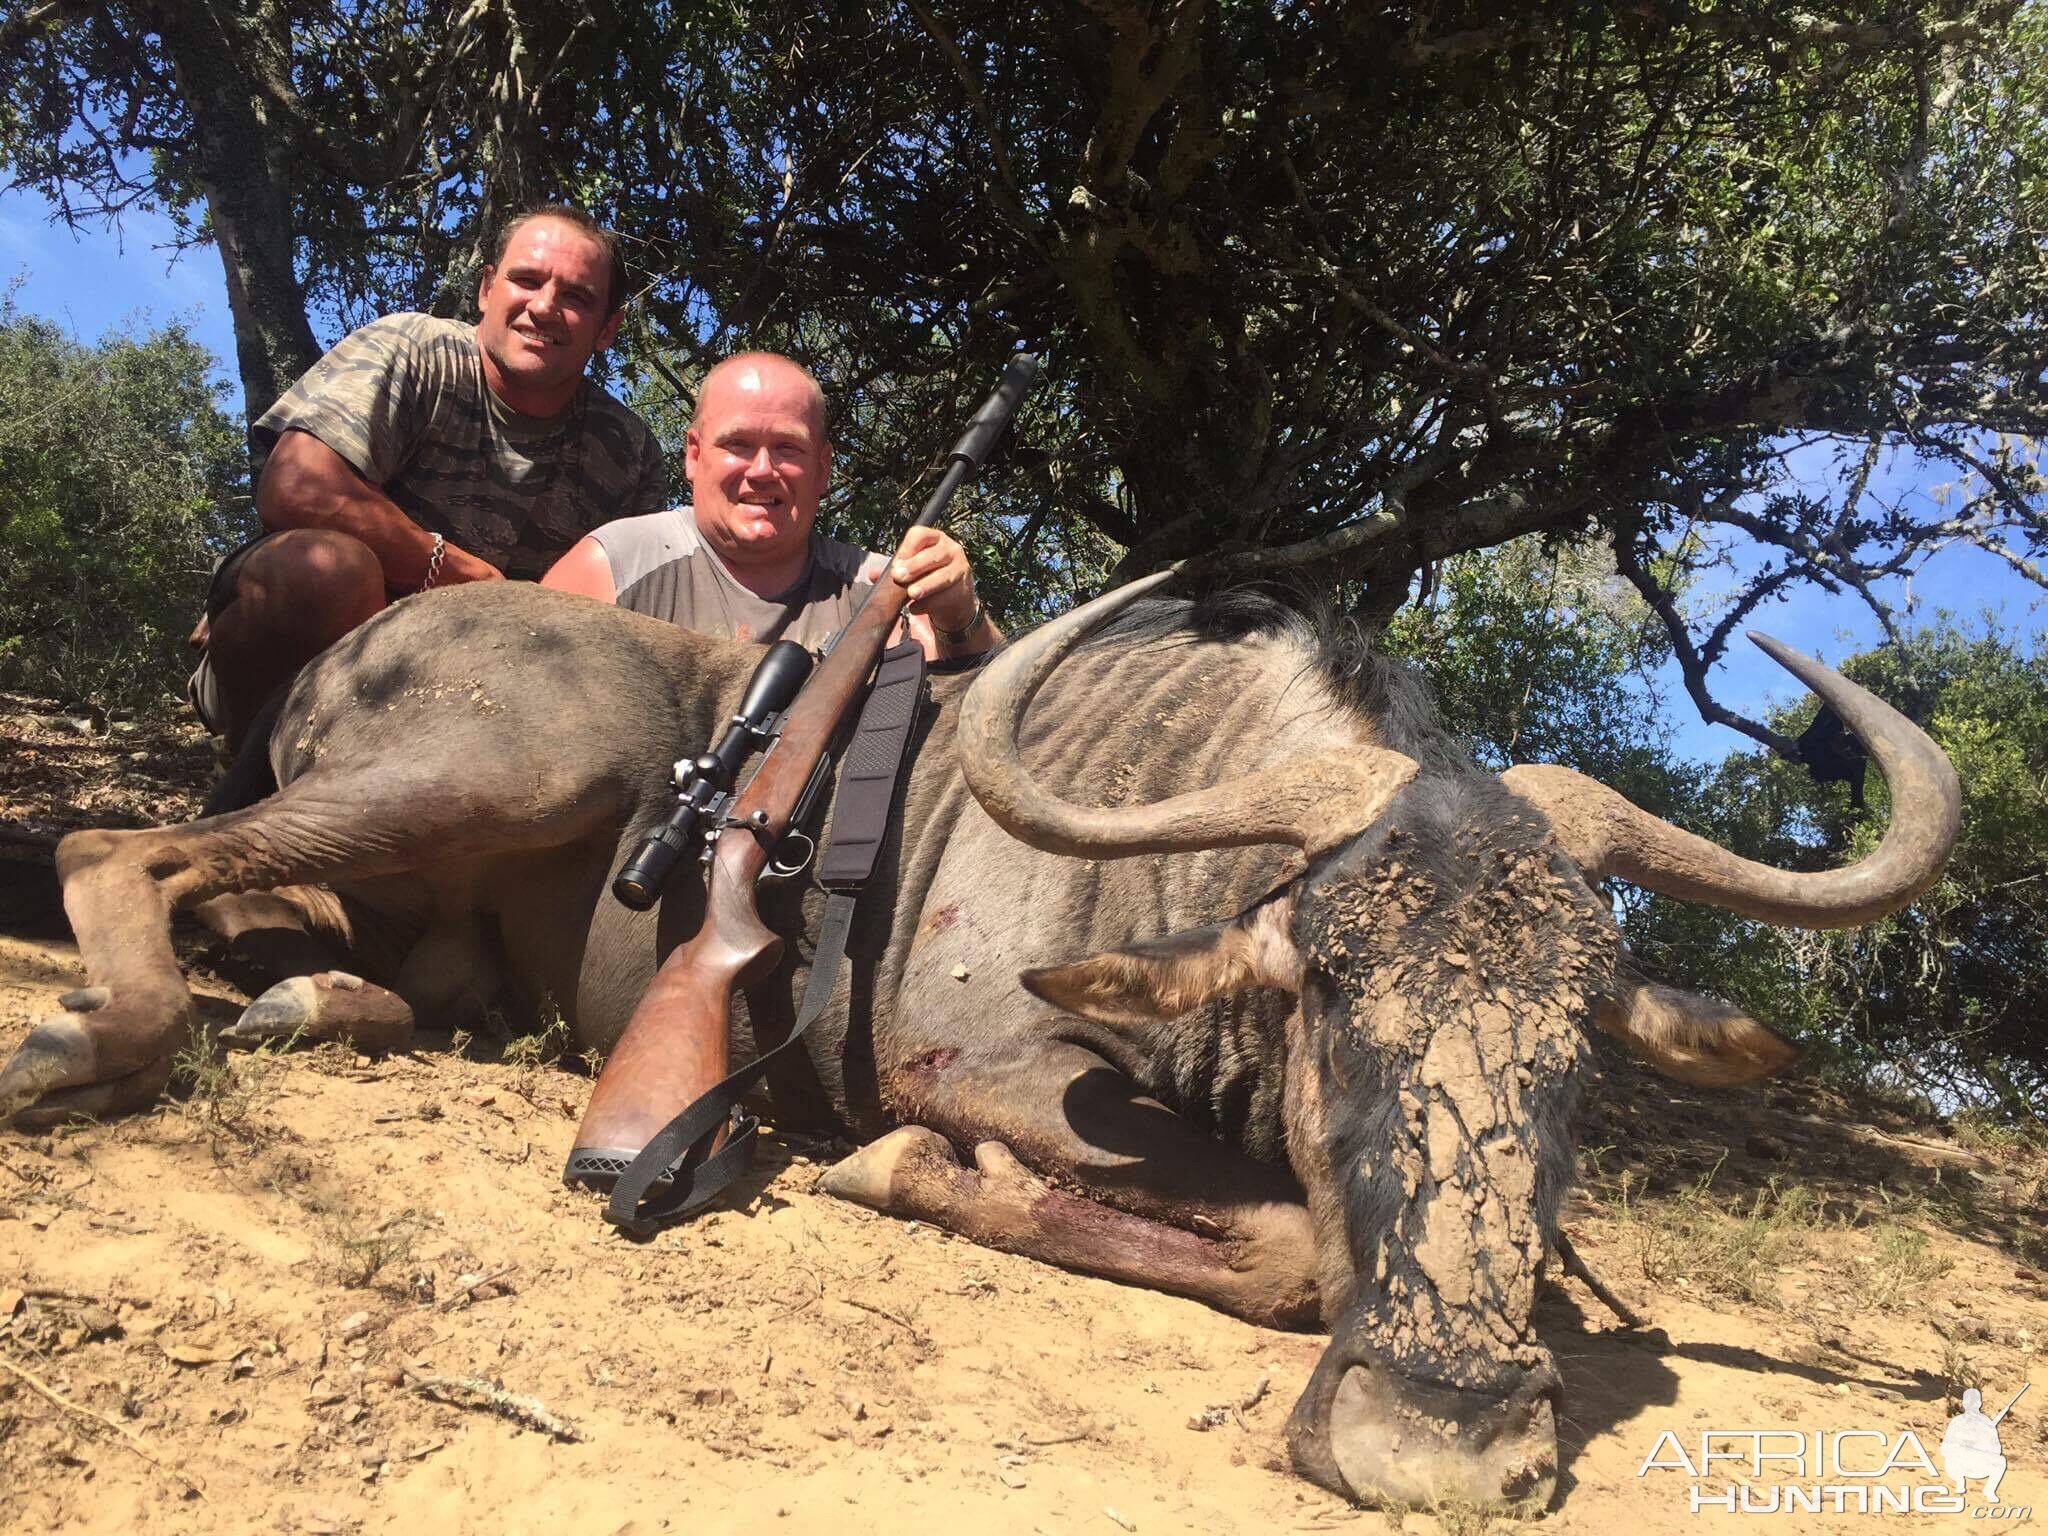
(354, 1324)
(960, 973)
(97, 1321)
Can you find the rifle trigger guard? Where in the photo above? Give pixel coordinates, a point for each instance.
(785, 863)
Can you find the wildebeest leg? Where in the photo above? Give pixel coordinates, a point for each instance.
(444, 972)
(110, 1048)
(1159, 1203)
(270, 932)
(322, 997)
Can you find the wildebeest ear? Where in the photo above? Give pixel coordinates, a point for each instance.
(1694, 1039)
(1166, 977)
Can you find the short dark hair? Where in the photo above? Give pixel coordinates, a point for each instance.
(584, 224)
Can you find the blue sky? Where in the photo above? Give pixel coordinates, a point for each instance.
(92, 282)
(100, 278)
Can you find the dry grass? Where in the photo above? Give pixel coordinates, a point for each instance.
(542, 1048)
(1901, 1264)
(1688, 1239)
(356, 1251)
(224, 1092)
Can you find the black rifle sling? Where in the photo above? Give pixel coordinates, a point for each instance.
(871, 771)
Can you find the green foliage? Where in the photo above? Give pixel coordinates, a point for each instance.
(1950, 996)
(1539, 653)
(121, 479)
(1389, 283)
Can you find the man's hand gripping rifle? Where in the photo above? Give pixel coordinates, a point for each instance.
(658, 1164)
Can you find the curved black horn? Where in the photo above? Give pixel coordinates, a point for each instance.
(1607, 835)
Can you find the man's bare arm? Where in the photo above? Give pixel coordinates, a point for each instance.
(306, 484)
(585, 569)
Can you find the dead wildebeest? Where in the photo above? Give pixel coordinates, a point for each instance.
(1339, 1089)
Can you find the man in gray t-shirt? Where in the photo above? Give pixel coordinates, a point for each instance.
(745, 558)
(422, 452)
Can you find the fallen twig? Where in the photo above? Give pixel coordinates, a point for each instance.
(65, 1293)
(448, 1304)
(1574, 1265)
(94, 1416)
(1885, 1138)
(1065, 1439)
(904, 1323)
(464, 1392)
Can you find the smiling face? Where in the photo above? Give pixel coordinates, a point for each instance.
(542, 313)
(758, 462)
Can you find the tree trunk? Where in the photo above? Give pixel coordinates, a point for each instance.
(242, 158)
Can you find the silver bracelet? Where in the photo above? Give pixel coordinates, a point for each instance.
(434, 558)
(959, 636)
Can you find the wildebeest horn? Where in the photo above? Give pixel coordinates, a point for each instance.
(1312, 803)
(1606, 835)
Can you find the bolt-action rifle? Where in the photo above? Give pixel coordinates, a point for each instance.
(632, 1138)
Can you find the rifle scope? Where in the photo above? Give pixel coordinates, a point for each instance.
(703, 783)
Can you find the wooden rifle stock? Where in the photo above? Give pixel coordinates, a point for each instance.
(675, 1045)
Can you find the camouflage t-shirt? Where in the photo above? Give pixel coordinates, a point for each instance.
(404, 401)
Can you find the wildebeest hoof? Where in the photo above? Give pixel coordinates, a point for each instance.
(98, 1101)
(92, 1059)
(1001, 1173)
(1368, 1432)
(57, 1054)
(880, 1173)
(330, 1005)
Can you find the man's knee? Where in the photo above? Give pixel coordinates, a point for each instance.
(312, 580)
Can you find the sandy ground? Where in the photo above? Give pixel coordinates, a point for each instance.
(325, 1294)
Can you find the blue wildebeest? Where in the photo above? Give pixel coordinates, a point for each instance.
(1311, 1057)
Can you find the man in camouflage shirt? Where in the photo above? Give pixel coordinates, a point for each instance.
(423, 452)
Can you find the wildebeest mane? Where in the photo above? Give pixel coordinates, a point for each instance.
(1336, 646)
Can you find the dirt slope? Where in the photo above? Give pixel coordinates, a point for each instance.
(279, 1304)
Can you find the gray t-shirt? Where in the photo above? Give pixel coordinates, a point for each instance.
(662, 566)
(404, 400)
